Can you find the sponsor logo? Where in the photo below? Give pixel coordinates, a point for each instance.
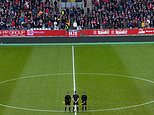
(121, 32)
(12, 33)
(141, 31)
(39, 32)
(149, 31)
(35, 32)
(103, 32)
(73, 33)
(30, 32)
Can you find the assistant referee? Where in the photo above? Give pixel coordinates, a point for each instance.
(84, 102)
(67, 102)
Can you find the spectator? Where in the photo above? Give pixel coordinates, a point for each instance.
(27, 14)
(122, 12)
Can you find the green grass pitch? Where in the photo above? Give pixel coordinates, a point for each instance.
(118, 79)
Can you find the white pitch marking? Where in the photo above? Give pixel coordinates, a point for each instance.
(127, 76)
(121, 108)
(98, 110)
(30, 109)
(74, 83)
(73, 66)
(60, 111)
(34, 76)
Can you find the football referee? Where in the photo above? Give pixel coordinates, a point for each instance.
(84, 102)
(67, 102)
(75, 101)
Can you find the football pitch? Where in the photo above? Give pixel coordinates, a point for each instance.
(118, 79)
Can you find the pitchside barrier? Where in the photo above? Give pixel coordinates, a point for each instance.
(75, 36)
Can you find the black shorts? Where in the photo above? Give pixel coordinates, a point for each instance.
(76, 103)
(67, 103)
(84, 103)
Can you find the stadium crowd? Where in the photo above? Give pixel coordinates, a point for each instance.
(125, 13)
(28, 14)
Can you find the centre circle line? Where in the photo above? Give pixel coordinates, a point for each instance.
(59, 111)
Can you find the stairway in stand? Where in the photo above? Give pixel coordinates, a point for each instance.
(89, 5)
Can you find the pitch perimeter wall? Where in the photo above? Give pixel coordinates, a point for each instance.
(74, 36)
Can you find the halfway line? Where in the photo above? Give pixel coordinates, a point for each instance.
(73, 66)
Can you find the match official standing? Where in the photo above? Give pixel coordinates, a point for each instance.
(67, 101)
(75, 101)
(84, 102)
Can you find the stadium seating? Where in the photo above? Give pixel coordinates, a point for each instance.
(30, 14)
(125, 13)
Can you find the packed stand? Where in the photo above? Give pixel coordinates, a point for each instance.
(27, 14)
(45, 14)
(37, 14)
(123, 13)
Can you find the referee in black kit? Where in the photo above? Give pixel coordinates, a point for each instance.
(84, 102)
(67, 101)
(75, 101)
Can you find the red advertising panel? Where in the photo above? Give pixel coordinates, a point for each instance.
(75, 33)
(117, 32)
(12, 33)
(40, 33)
